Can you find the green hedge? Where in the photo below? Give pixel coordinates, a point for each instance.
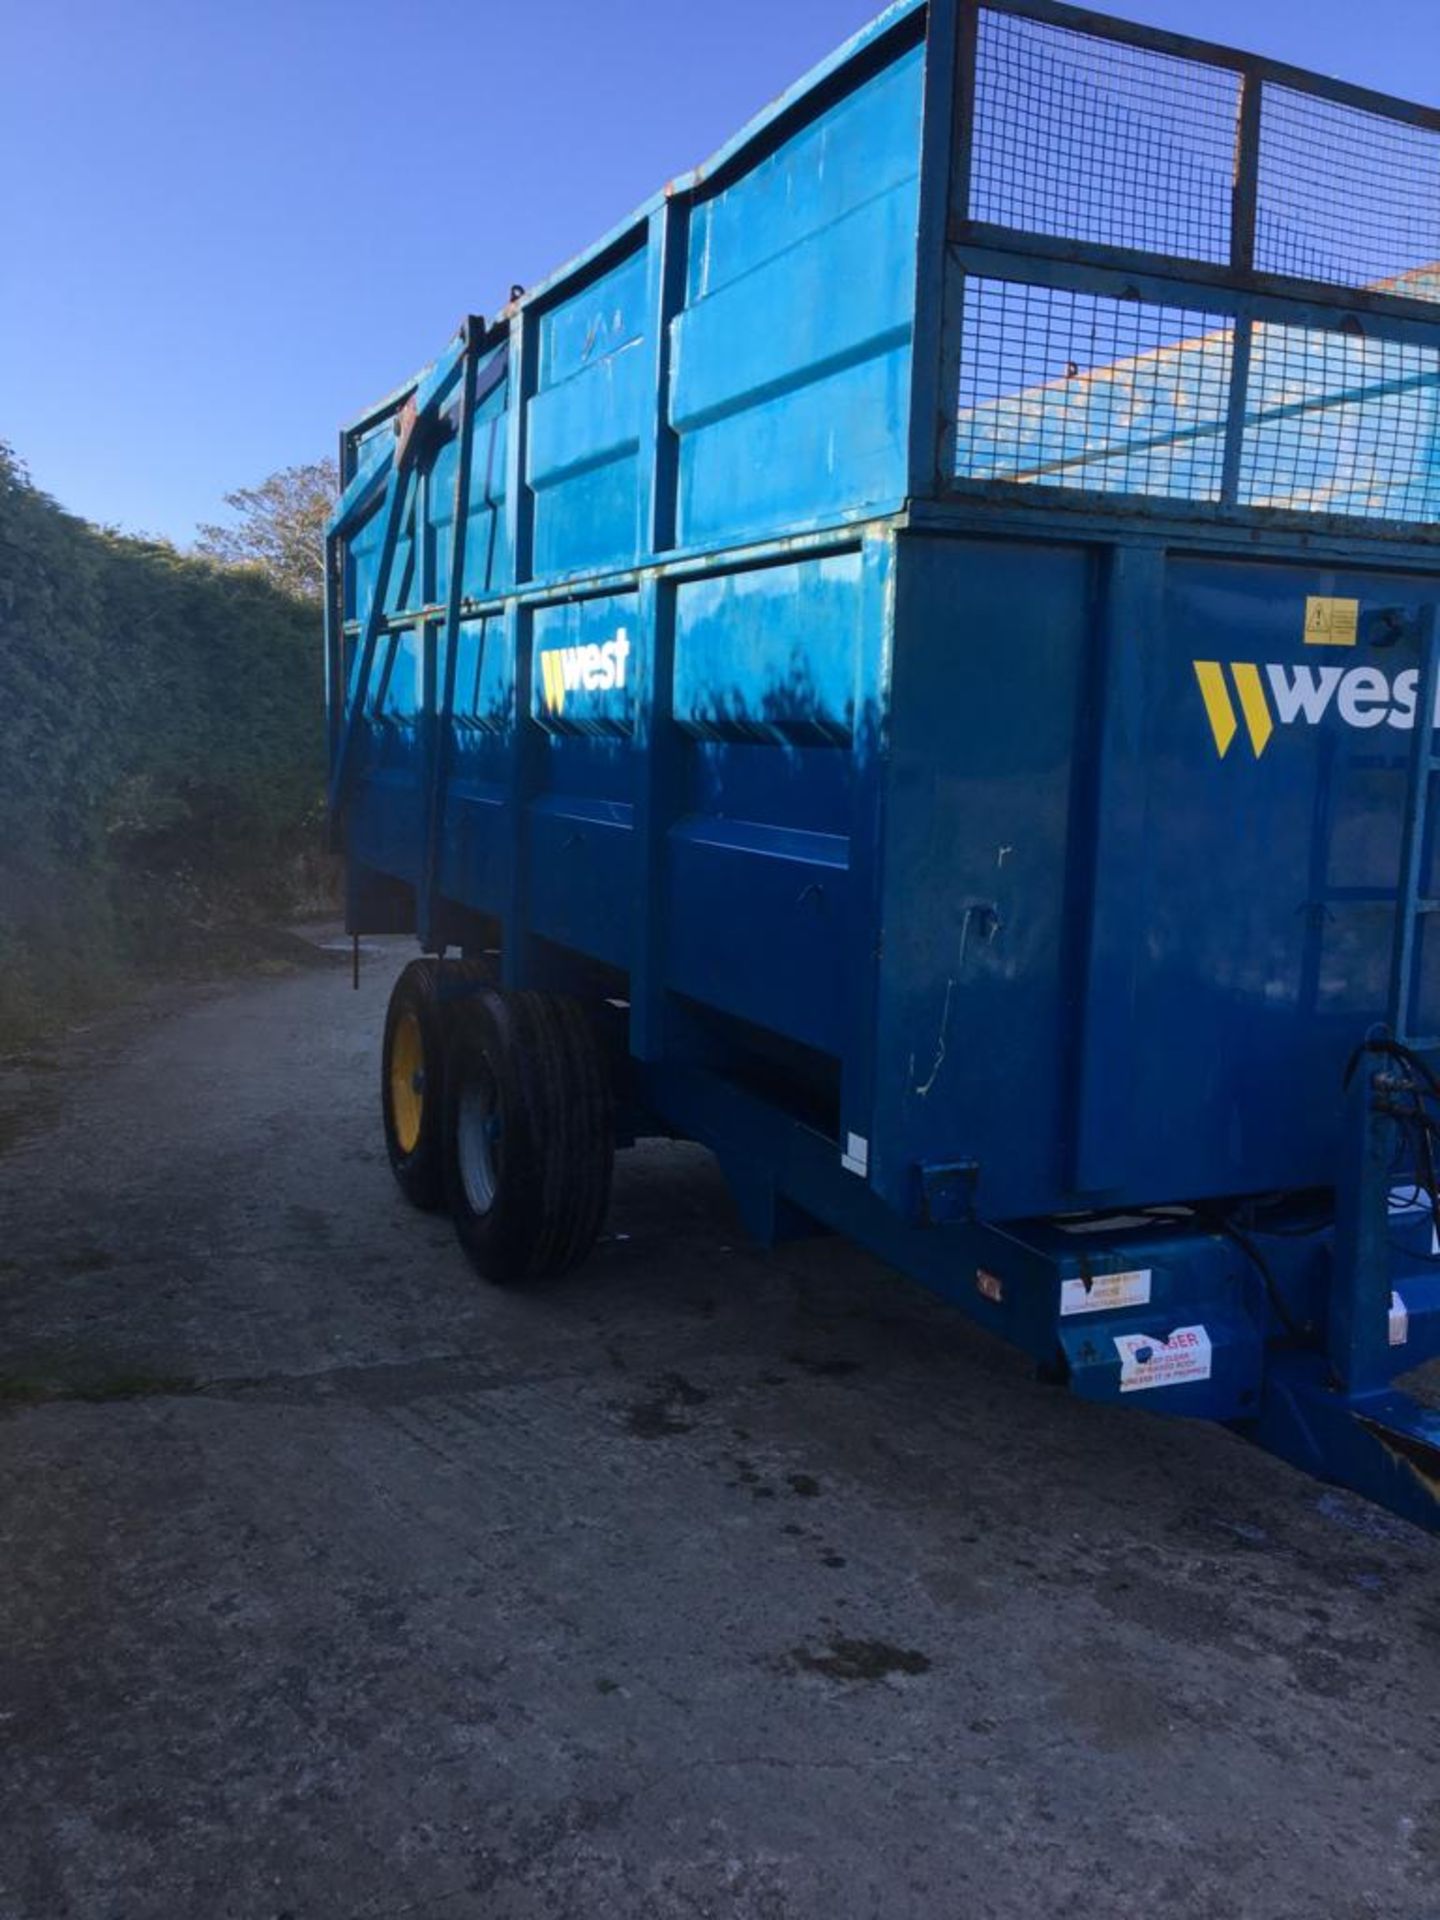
(161, 750)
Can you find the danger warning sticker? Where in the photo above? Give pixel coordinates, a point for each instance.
(1331, 623)
(1097, 1291)
(1148, 1361)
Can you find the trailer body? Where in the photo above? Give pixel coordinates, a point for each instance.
(929, 617)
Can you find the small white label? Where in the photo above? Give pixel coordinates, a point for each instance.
(856, 1157)
(1103, 1290)
(1399, 1321)
(1148, 1361)
(990, 1285)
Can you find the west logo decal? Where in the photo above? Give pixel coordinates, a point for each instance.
(588, 669)
(1264, 697)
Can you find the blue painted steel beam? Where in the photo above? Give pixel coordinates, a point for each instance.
(982, 507)
(440, 711)
(1041, 514)
(1111, 799)
(932, 402)
(1357, 1322)
(667, 260)
(1415, 836)
(865, 891)
(658, 763)
(522, 780)
(519, 500)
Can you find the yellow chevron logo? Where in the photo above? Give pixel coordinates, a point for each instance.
(1220, 707)
(582, 669)
(553, 681)
(1281, 694)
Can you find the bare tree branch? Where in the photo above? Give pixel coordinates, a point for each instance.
(279, 527)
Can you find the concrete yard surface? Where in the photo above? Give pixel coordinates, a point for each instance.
(707, 1582)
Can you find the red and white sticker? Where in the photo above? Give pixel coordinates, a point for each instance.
(1101, 1290)
(1148, 1361)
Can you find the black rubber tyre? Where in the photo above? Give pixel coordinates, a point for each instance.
(412, 1084)
(529, 1134)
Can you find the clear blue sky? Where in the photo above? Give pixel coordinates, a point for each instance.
(226, 227)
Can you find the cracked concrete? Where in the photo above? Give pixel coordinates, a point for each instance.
(705, 1583)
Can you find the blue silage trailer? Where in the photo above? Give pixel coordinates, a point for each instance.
(901, 663)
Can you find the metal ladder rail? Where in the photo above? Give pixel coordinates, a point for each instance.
(1357, 1341)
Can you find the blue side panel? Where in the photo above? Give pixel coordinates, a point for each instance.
(735, 891)
(475, 852)
(585, 424)
(362, 552)
(1270, 897)
(989, 656)
(790, 363)
(583, 680)
(489, 566)
(403, 591)
(769, 654)
(388, 821)
(406, 588)
(1142, 844)
(579, 845)
(766, 664)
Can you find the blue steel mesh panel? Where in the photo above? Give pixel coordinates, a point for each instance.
(1091, 139)
(1340, 424)
(1068, 389)
(1347, 197)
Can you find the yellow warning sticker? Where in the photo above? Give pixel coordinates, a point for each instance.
(1331, 623)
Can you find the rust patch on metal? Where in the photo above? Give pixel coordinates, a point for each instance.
(1419, 1456)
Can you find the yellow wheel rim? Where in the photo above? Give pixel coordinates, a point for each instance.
(407, 1082)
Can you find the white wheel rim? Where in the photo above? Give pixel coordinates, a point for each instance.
(477, 1125)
